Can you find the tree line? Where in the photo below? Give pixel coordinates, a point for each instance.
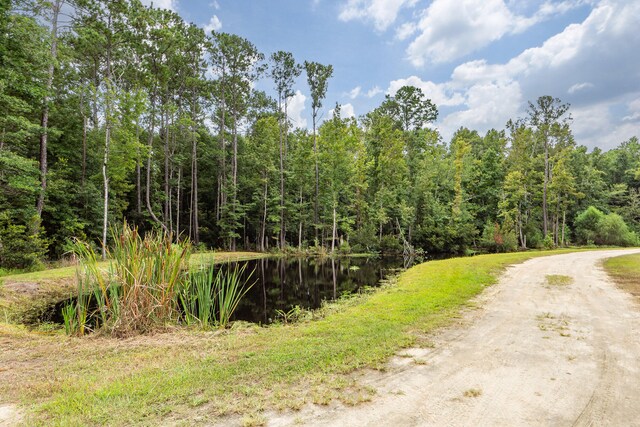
(110, 110)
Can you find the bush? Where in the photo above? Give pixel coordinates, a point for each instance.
(593, 226)
(498, 238)
(614, 231)
(587, 225)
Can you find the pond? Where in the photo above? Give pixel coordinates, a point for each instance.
(283, 283)
(280, 284)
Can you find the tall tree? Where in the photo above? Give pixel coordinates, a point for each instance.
(54, 7)
(318, 76)
(284, 71)
(546, 117)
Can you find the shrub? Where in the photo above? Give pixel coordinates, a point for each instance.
(614, 231)
(587, 225)
(593, 226)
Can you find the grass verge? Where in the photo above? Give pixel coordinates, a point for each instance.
(189, 377)
(625, 271)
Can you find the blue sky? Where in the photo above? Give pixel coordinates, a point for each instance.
(480, 61)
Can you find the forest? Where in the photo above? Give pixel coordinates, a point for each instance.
(111, 110)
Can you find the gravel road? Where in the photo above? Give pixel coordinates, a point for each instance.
(534, 354)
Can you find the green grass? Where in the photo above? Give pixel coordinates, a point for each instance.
(625, 271)
(179, 375)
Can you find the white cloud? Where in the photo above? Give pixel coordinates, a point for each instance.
(439, 94)
(353, 94)
(162, 4)
(214, 4)
(374, 91)
(214, 24)
(346, 112)
(596, 60)
(489, 105)
(382, 13)
(406, 30)
(295, 107)
(634, 113)
(596, 126)
(579, 86)
(450, 29)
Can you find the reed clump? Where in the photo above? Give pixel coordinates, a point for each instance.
(148, 286)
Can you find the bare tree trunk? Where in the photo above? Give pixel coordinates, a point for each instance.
(315, 158)
(55, 9)
(84, 150)
(300, 225)
(138, 173)
(107, 143)
(282, 127)
(178, 204)
(263, 229)
(150, 145)
(545, 218)
(333, 234)
(194, 188)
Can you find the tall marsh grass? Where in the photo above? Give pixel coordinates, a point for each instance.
(211, 298)
(148, 285)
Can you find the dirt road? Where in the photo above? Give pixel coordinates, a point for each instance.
(535, 354)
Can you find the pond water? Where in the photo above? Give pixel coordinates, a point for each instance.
(283, 283)
(280, 284)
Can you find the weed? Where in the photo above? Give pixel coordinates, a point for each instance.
(558, 280)
(473, 392)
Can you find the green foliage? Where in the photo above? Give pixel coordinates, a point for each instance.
(594, 226)
(498, 238)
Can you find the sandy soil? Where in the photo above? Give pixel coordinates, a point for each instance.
(534, 354)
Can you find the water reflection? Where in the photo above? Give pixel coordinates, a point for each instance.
(282, 283)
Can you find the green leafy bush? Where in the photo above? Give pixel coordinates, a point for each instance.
(593, 226)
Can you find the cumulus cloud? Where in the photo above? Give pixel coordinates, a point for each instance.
(346, 112)
(450, 29)
(374, 91)
(214, 24)
(440, 94)
(579, 65)
(295, 107)
(162, 4)
(382, 13)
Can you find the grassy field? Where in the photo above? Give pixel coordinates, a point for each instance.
(188, 376)
(625, 271)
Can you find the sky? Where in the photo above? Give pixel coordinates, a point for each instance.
(479, 61)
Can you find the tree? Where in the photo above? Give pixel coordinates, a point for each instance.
(410, 108)
(239, 64)
(546, 117)
(284, 71)
(318, 76)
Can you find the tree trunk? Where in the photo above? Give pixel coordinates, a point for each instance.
(282, 230)
(55, 9)
(148, 184)
(300, 225)
(545, 219)
(333, 233)
(178, 205)
(315, 158)
(194, 187)
(263, 229)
